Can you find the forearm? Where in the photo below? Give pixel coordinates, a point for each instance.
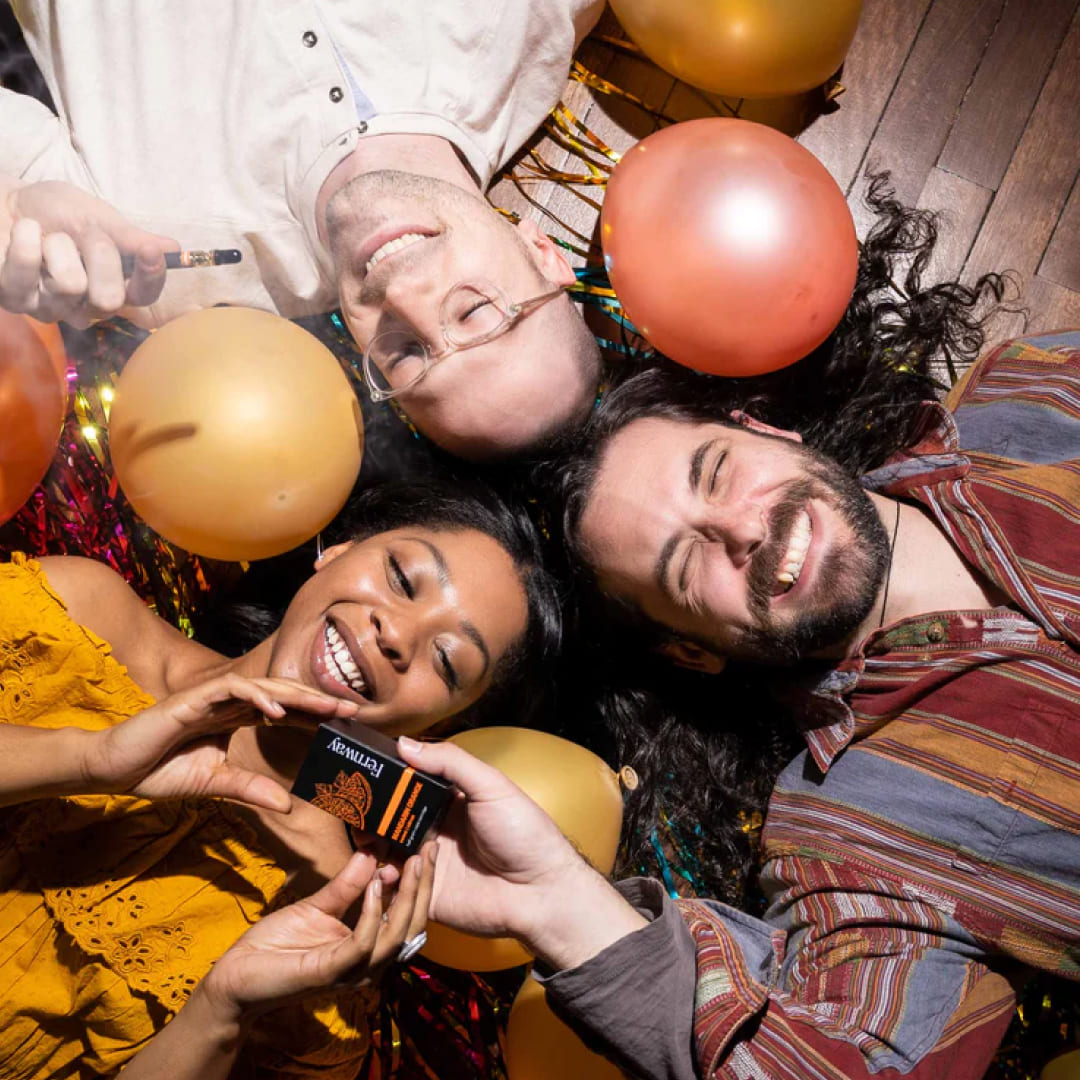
(698, 993)
(38, 763)
(634, 1001)
(198, 1044)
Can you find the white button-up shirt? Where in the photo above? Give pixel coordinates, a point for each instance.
(216, 122)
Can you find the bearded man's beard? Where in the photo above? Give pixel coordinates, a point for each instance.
(847, 581)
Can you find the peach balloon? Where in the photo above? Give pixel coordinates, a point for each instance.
(743, 48)
(32, 405)
(539, 1046)
(730, 246)
(574, 786)
(235, 434)
(50, 336)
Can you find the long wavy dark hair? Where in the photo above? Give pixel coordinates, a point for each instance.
(254, 609)
(707, 749)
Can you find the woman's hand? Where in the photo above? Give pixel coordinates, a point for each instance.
(179, 747)
(300, 949)
(306, 946)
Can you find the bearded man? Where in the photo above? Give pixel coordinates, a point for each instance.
(923, 851)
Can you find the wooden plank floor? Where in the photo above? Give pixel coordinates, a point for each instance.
(972, 105)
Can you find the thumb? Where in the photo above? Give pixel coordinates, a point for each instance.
(341, 891)
(251, 788)
(148, 276)
(478, 780)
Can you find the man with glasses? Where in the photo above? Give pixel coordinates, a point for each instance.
(344, 150)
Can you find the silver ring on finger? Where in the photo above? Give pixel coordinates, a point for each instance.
(411, 947)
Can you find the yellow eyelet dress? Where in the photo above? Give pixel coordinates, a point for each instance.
(112, 908)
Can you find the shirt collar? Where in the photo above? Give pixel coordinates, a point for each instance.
(829, 723)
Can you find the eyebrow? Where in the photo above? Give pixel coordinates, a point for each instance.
(443, 573)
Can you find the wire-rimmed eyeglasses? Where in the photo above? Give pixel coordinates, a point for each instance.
(472, 313)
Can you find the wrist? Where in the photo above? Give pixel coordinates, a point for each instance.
(62, 756)
(228, 1018)
(575, 917)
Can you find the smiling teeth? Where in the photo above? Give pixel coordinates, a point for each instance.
(390, 247)
(343, 666)
(791, 567)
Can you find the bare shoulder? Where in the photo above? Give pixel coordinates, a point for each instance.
(98, 598)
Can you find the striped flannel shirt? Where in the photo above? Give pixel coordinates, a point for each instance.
(924, 850)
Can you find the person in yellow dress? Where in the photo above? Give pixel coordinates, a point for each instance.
(147, 823)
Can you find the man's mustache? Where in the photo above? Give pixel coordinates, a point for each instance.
(767, 559)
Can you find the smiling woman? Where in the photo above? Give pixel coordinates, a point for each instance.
(129, 877)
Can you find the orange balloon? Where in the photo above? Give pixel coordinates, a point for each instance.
(235, 433)
(50, 336)
(730, 246)
(31, 411)
(743, 48)
(574, 786)
(539, 1046)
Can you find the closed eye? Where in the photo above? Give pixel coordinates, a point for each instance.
(684, 569)
(399, 579)
(402, 353)
(447, 672)
(716, 471)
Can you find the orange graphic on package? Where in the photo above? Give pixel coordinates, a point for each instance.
(348, 797)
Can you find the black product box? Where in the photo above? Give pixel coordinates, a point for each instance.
(354, 773)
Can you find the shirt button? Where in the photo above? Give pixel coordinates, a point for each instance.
(310, 39)
(935, 633)
(361, 127)
(336, 94)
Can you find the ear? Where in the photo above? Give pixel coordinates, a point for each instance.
(743, 420)
(547, 258)
(687, 654)
(330, 554)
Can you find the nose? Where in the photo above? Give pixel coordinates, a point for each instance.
(412, 306)
(394, 638)
(409, 290)
(740, 526)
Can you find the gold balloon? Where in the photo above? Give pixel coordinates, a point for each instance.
(743, 48)
(1065, 1067)
(574, 786)
(235, 433)
(539, 1046)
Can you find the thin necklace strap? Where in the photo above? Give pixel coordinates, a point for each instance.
(888, 572)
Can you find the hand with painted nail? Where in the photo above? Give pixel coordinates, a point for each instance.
(60, 254)
(179, 747)
(308, 945)
(299, 950)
